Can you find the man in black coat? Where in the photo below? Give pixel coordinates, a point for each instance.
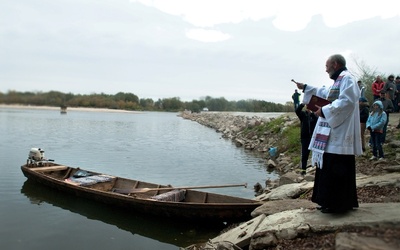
(308, 120)
(364, 114)
(388, 108)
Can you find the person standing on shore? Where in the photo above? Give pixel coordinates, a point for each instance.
(336, 139)
(364, 114)
(308, 120)
(397, 101)
(388, 108)
(362, 88)
(390, 88)
(376, 122)
(376, 87)
(296, 99)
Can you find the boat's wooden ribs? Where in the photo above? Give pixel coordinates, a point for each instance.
(158, 191)
(114, 181)
(205, 197)
(67, 174)
(123, 189)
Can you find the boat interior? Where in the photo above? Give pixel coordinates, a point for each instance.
(129, 187)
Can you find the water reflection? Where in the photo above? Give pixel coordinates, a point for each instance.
(169, 231)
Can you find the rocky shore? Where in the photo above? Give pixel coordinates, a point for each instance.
(288, 219)
(255, 133)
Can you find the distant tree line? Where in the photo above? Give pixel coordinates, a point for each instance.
(129, 101)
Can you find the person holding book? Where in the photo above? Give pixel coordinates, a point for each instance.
(375, 123)
(308, 120)
(336, 139)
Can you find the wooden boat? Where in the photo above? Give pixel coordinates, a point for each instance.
(139, 196)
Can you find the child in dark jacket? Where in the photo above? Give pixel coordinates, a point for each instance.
(375, 124)
(364, 114)
(308, 120)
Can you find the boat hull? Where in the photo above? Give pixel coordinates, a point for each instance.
(197, 205)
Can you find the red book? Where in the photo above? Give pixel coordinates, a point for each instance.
(316, 101)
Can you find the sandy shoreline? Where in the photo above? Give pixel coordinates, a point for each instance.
(70, 109)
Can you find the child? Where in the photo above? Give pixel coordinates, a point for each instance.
(364, 114)
(375, 123)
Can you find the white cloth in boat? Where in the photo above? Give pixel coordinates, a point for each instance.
(174, 195)
(89, 180)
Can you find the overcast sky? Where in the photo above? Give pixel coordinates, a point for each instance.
(190, 48)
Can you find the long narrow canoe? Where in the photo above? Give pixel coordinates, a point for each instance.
(138, 196)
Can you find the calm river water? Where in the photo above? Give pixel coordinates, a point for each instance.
(155, 147)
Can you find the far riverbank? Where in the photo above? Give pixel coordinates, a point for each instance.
(16, 106)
